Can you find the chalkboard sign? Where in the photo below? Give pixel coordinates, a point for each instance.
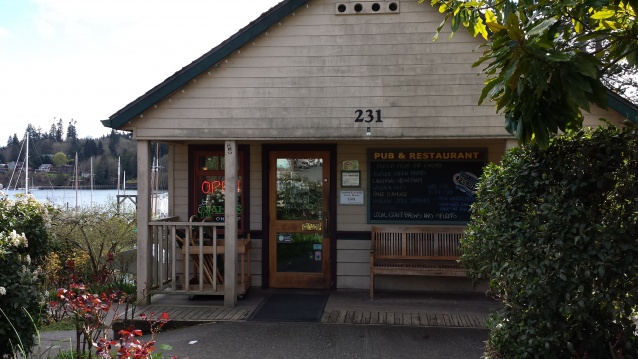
(423, 186)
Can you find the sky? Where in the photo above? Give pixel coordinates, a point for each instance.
(83, 60)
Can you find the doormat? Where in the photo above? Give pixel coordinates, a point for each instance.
(291, 308)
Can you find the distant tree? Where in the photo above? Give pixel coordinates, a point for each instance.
(74, 146)
(71, 132)
(60, 179)
(52, 131)
(15, 148)
(114, 138)
(2, 159)
(129, 163)
(60, 159)
(99, 149)
(34, 134)
(59, 131)
(45, 145)
(13, 140)
(89, 148)
(102, 172)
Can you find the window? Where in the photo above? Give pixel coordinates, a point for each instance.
(209, 186)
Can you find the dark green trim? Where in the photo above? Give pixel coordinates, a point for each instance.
(623, 107)
(211, 58)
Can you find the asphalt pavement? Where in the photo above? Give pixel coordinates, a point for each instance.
(266, 340)
(258, 339)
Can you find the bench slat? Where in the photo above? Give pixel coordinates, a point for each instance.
(423, 250)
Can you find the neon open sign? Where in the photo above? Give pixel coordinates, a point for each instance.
(209, 187)
(212, 205)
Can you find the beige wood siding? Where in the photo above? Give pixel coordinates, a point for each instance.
(353, 264)
(180, 185)
(305, 78)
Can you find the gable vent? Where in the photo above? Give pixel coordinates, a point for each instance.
(367, 7)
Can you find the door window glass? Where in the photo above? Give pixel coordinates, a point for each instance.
(299, 252)
(299, 189)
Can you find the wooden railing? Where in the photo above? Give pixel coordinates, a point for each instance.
(177, 268)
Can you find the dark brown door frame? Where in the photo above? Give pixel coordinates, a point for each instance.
(265, 220)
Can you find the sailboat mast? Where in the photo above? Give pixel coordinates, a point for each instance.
(26, 161)
(76, 180)
(118, 176)
(91, 180)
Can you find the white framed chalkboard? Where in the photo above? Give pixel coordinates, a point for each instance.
(423, 185)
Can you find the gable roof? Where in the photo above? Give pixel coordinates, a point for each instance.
(203, 63)
(623, 107)
(239, 39)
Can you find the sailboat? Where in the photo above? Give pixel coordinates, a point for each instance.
(25, 167)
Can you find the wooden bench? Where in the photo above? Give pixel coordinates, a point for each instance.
(421, 251)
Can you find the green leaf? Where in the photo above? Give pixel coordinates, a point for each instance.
(513, 27)
(542, 27)
(558, 56)
(585, 66)
(604, 14)
(490, 17)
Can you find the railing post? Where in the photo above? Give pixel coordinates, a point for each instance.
(144, 235)
(230, 225)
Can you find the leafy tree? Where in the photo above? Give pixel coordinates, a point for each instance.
(114, 139)
(102, 174)
(52, 131)
(13, 140)
(128, 163)
(24, 242)
(60, 159)
(554, 230)
(74, 145)
(546, 60)
(59, 131)
(71, 132)
(88, 148)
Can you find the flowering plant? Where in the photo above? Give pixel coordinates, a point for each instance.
(23, 244)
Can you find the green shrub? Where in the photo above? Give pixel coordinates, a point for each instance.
(556, 233)
(86, 241)
(23, 245)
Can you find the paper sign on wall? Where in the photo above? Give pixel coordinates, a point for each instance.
(351, 197)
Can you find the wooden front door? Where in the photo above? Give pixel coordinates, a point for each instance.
(299, 235)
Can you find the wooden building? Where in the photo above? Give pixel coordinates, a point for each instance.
(325, 117)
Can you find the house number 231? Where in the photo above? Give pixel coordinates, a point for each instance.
(368, 116)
